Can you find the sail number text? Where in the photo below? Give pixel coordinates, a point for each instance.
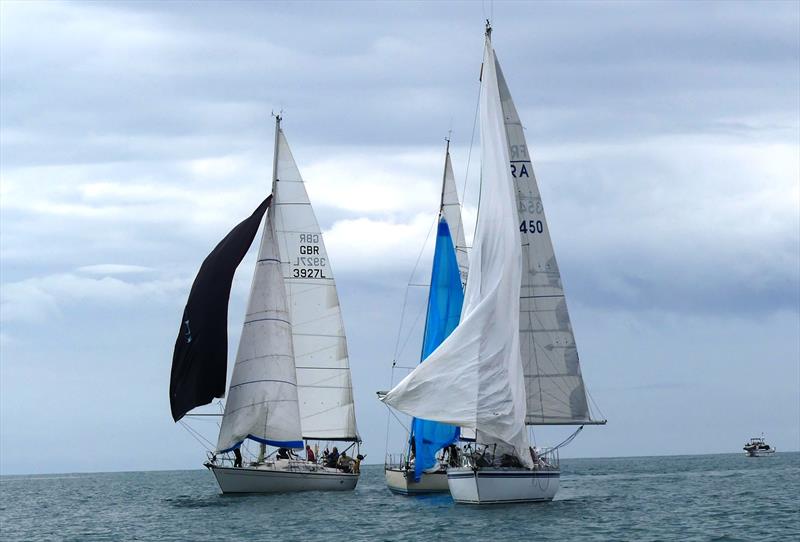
(531, 226)
(309, 264)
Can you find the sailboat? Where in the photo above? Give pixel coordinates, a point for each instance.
(291, 380)
(512, 361)
(420, 470)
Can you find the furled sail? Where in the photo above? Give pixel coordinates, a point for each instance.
(555, 390)
(200, 358)
(445, 298)
(474, 378)
(262, 398)
(320, 349)
(451, 211)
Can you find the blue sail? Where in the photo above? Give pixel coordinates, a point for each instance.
(444, 312)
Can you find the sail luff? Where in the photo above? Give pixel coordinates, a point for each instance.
(325, 392)
(554, 385)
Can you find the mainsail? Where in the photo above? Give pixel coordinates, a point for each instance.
(200, 358)
(555, 390)
(474, 379)
(451, 212)
(320, 349)
(262, 398)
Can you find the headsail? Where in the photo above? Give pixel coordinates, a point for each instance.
(445, 298)
(262, 399)
(320, 348)
(200, 358)
(474, 378)
(555, 389)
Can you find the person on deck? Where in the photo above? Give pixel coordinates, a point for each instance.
(237, 457)
(357, 464)
(310, 454)
(345, 464)
(283, 453)
(333, 458)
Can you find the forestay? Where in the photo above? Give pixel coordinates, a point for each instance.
(555, 390)
(262, 398)
(474, 378)
(320, 348)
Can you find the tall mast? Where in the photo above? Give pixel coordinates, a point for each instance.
(275, 153)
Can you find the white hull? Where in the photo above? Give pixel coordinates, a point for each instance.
(498, 486)
(271, 480)
(759, 453)
(433, 482)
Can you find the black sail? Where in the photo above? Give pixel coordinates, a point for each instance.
(200, 359)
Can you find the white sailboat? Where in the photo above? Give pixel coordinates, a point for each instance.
(422, 467)
(291, 381)
(512, 360)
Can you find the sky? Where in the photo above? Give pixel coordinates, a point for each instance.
(133, 136)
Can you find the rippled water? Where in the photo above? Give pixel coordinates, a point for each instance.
(712, 497)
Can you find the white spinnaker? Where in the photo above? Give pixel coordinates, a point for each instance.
(320, 348)
(474, 379)
(555, 389)
(451, 210)
(262, 398)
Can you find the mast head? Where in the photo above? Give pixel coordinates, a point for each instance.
(488, 30)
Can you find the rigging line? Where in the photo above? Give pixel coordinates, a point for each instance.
(398, 419)
(593, 402)
(566, 441)
(408, 288)
(198, 437)
(469, 155)
(413, 327)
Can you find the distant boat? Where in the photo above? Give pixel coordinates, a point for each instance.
(422, 468)
(512, 360)
(758, 447)
(291, 381)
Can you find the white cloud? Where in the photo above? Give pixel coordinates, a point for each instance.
(38, 299)
(114, 269)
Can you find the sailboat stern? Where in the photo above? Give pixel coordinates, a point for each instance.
(401, 481)
(502, 486)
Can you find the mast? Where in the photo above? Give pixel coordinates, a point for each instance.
(444, 173)
(278, 119)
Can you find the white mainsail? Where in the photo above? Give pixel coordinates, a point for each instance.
(555, 389)
(474, 379)
(262, 398)
(451, 211)
(320, 349)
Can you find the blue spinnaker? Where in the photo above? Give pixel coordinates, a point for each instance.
(444, 312)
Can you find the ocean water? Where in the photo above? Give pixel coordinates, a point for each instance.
(710, 497)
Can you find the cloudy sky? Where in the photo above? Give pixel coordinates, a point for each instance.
(134, 135)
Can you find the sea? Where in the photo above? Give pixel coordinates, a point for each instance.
(706, 497)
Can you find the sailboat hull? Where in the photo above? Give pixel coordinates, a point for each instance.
(260, 480)
(502, 486)
(431, 482)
